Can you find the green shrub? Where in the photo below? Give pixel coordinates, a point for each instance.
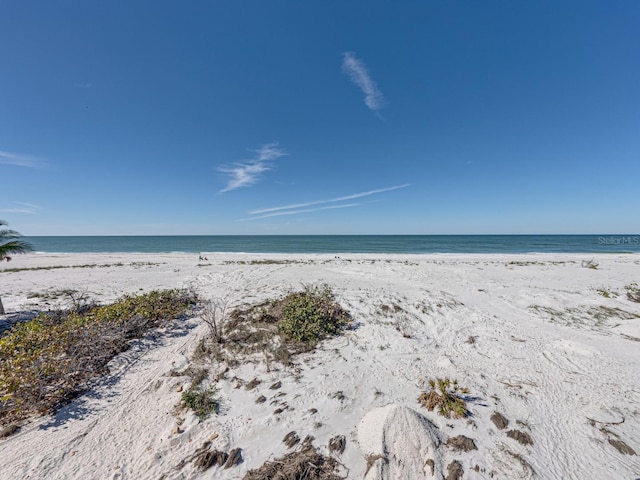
(47, 361)
(201, 401)
(311, 315)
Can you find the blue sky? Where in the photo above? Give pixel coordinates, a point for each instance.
(286, 117)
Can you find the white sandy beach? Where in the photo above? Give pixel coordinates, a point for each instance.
(536, 340)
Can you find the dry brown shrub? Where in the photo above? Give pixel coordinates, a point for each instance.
(337, 444)
(210, 458)
(461, 443)
(521, 437)
(291, 439)
(304, 464)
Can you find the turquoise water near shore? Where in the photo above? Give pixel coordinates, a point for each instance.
(342, 244)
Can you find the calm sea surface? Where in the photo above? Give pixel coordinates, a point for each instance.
(344, 244)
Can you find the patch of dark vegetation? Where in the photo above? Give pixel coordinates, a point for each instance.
(311, 315)
(337, 444)
(235, 458)
(597, 316)
(306, 463)
(523, 438)
(499, 420)
(197, 375)
(339, 395)
(204, 458)
(252, 384)
(461, 443)
(389, 310)
(291, 439)
(633, 292)
(446, 396)
(275, 331)
(201, 401)
(601, 313)
(454, 471)
(265, 262)
(50, 360)
(89, 265)
(621, 447)
(209, 458)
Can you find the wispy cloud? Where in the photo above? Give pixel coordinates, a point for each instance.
(20, 160)
(83, 85)
(246, 173)
(294, 212)
(330, 200)
(357, 72)
(21, 207)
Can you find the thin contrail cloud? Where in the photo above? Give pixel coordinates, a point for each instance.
(293, 212)
(20, 160)
(330, 200)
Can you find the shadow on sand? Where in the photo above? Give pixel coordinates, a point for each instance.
(101, 389)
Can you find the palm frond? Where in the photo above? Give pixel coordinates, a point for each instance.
(9, 234)
(14, 246)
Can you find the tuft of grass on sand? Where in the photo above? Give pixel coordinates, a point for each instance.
(592, 264)
(445, 396)
(633, 292)
(201, 401)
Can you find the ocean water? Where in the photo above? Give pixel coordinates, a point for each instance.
(343, 244)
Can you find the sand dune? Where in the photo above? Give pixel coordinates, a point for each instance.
(551, 346)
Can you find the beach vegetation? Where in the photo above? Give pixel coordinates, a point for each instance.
(606, 293)
(274, 330)
(633, 292)
(87, 265)
(10, 244)
(267, 262)
(215, 314)
(446, 397)
(305, 462)
(311, 315)
(201, 401)
(49, 360)
(592, 264)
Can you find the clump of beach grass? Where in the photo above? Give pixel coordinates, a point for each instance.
(633, 292)
(446, 397)
(201, 401)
